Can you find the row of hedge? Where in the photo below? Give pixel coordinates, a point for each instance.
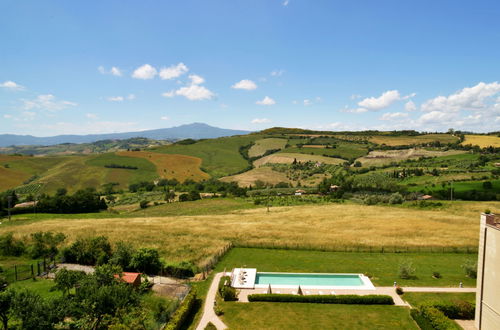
(431, 318)
(182, 313)
(325, 299)
(461, 310)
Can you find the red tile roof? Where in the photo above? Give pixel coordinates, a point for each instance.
(129, 277)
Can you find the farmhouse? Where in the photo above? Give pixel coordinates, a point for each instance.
(299, 192)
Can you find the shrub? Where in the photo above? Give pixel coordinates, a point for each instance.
(210, 326)
(143, 204)
(421, 321)
(183, 269)
(399, 290)
(218, 310)
(470, 268)
(437, 319)
(325, 299)
(88, 251)
(406, 270)
(396, 198)
(146, 260)
(182, 313)
(461, 309)
(10, 246)
(45, 244)
(436, 275)
(122, 255)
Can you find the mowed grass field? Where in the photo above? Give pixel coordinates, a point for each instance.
(343, 150)
(220, 157)
(378, 157)
(482, 140)
(261, 146)
(265, 315)
(328, 227)
(288, 158)
(265, 174)
(409, 140)
(180, 167)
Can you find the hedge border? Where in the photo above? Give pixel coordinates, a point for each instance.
(324, 299)
(182, 313)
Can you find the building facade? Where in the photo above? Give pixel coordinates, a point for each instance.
(488, 274)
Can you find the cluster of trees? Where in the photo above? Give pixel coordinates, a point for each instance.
(206, 186)
(82, 201)
(95, 301)
(39, 245)
(127, 167)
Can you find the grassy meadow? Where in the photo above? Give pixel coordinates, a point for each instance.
(261, 146)
(321, 227)
(409, 140)
(379, 157)
(288, 158)
(419, 298)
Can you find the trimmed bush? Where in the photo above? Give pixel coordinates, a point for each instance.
(182, 313)
(227, 292)
(399, 290)
(325, 299)
(421, 321)
(462, 310)
(182, 269)
(437, 319)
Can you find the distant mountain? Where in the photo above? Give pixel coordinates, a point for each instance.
(190, 131)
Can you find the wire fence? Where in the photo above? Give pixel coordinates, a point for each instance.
(23, 272)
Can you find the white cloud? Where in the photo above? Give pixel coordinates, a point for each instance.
(245, 84)
(28, 115)
(394, 116)
(144, 72)
(131, 97)
(169, 94)
(165, 118)
(307, 102)
(354, 110)
(277, 73)
(47, 102)
(355, 96)
(381, 102)
(436, 117)
(11, 85)
(115, 99)
(266, 101)
(196, 80)
(469, 98)
(195, 93)
(91, 115)
(115, 71)
(285, 2)
(410, 106)
(7, 116)
(260, 121)
(173, 71)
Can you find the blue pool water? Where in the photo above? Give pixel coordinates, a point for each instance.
(308, 279)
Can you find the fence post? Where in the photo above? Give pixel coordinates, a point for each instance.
(38, 268)
(15, 271)
(32, 271)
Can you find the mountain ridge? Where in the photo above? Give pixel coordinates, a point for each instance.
(187, 131)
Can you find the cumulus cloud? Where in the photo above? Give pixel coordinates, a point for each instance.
(469, 98)
(196, 80)
(285, 3)
(47, 102)
(11, 85)
(378, 103)
(115, 71)
(173, 71)
(260, 121)
(115, 99)
(7, 116)
(266, 101)
(144, 72)
(394, 116)
(165, 118)
(410, 106)
(169, 94)
(245, 84)
(195, 93)
(307, 102)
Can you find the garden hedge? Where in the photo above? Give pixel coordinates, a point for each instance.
(461, 310)
(436, 318)
(325, 299)
(182, 313)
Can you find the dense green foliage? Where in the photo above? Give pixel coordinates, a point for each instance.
(182, 313)
(436, 318)
(324, 299)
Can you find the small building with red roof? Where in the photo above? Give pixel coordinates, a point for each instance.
(130, 278)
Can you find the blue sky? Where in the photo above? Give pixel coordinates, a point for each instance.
(82, 67)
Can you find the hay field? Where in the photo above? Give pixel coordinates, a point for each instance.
(375, 158)
(331, 226)
(180, 167)
(265, 174)
(408, 140)
(261, 146)
(482, 140)
(287, 158)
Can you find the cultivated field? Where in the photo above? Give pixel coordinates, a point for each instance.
(409, 140)
(288, 158)
(482, 140)
(330, 227)
(265, 174)
(261, 146)
(377, 157)
(178, 167)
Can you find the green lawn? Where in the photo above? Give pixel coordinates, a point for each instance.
(264, 315)
(382, 267)
(41, 286)
(343, 150)
(418, 298)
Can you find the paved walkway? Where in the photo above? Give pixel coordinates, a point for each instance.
(208, 309)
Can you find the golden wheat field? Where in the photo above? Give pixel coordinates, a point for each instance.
(180, 167)
(379, 157)
(331, 227)
(287, 158)
(408, 140)
(265, 174)
(482, 140)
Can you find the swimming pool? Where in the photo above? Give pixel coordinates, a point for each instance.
(253, 279)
